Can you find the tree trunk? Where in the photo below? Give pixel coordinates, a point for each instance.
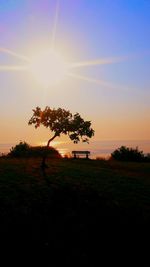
(43, 164)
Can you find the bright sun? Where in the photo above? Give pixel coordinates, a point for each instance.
(48, 68)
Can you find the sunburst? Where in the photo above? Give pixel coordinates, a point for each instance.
(49, 68)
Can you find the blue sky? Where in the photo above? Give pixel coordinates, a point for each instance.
(86, 30)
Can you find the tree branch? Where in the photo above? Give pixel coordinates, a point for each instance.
(51, 139)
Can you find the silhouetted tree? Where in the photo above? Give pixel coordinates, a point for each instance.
(60, 121)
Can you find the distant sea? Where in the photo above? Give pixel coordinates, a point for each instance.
(97, 148)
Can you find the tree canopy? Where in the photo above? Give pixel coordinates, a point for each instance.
(60, 121)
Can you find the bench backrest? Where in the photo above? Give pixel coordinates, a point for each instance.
(81, 152)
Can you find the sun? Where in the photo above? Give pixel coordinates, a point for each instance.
(48, 68)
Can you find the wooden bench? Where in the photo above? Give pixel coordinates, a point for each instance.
(76, 154)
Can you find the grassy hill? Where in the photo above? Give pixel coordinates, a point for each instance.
(78, 209)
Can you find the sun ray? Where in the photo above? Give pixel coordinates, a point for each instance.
(13, 68)
(53, 38)
(99, 82)
(101, 61)
(111, 60)
(10, 52)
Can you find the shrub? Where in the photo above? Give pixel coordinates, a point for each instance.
(128, 154)
(25, 150)
(22, 149)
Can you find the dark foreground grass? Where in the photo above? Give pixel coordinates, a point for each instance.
(79, 212)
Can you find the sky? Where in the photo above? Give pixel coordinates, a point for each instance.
(114, 96)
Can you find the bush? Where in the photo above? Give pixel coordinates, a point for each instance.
(25, 150)
(128, 154)
(22, 149)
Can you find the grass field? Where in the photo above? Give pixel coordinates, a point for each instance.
(77, 211)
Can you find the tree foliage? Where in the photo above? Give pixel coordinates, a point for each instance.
(128, 154)
(60, 121)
